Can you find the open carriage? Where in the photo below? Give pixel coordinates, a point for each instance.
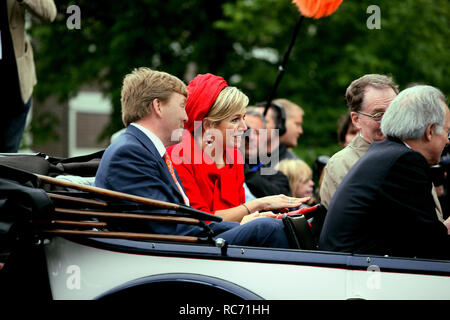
(56, 244)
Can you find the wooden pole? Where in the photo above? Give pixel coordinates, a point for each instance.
(129, 197)
(101, 214)
(83, 224)
(109, 193)
(121, 235)
(77, 200)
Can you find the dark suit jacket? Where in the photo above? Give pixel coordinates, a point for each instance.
(384, 207)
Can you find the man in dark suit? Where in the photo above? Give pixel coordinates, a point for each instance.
(384, 204)
(153, 110)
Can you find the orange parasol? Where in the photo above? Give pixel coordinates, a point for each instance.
(317, 8)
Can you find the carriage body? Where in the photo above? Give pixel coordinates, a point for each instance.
(87, 266)
(105, 268)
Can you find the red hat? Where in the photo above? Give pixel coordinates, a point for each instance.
(202, 92)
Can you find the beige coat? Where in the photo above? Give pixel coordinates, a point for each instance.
(338, 166)
(341, 162)
(45, 10)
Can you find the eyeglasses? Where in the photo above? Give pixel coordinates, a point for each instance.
(377, 116)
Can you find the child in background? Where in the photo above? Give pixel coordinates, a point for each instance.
(300, 178)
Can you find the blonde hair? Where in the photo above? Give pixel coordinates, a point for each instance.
(229, 101)
(141, 87)
(296, 170)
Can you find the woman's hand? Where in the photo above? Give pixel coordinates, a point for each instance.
(269, 214)
(275, 202)
(257, 215)
(250, 217)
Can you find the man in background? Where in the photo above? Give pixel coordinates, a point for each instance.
(367, 97)
(260, 185)
(294, 120)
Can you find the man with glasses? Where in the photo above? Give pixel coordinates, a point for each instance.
(367, 97)
(384, 205)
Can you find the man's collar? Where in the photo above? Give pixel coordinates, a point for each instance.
(153, 138)
(406, 144)
(360, 134)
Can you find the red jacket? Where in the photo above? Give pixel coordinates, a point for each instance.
(208, 188)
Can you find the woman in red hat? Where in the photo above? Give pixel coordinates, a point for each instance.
(207, 159)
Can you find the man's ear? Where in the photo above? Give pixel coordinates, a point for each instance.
(429, 132)
(156, 107)
(355, 119)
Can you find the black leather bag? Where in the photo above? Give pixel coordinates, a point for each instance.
(299, 232)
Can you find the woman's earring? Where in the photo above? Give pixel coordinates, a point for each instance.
(209, 140)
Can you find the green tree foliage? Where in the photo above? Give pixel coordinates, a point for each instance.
(244, 41)
(329, 53)
(117, 36)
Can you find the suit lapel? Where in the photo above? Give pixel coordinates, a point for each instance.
(148, 144)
